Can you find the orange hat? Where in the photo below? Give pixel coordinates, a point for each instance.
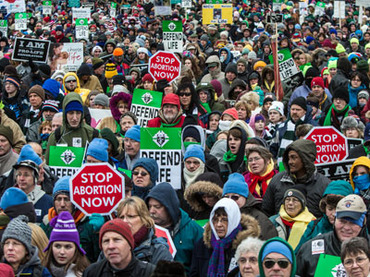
(118, 52)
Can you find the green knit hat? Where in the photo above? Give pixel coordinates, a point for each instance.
(340, 48)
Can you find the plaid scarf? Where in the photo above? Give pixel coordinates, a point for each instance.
(216, 265)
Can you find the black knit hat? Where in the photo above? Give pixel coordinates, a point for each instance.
(297, 194)
(231, 67)
(300, 101)
(341, 93)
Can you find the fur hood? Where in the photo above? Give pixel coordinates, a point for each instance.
(250, 228)
(125, 97)
(193, 194)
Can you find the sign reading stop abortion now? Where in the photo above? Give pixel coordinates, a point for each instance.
(97, 188)
(145, 105)
(35, 49)
(331, 145)
(164, 65)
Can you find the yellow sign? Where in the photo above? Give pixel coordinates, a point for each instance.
(217, 13)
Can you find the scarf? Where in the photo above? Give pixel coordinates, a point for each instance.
(140, 235)
(32, 116)
(288, 138)
(332, 116)
(206, 107)
(57, 271)
(165, 123)
(35, 195)
(300, 224)
(229, 157)
(323, 101)
(365, 194)
(268, 86)
(216, 266)
(191, 176)
(141, 192)
(260, 182)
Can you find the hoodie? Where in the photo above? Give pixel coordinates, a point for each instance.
(216, 74)
(364, 161)
(82, 92)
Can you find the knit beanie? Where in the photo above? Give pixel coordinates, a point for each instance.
(142, 50)
(14, 80)
(107, 134)
(148, 78)
(318, 81)
(276, 246)
(98, 149)
(277, 106)
(231, 67)
(50, 105)
(110, 70)
(13, 197)
(338, 187)
(133, 133)
(70, 78)
(363, 94)
(61, 187)
(101, 99)
(195, 151)
(312, 100)
(150, 165)
(242, 61)
(191, 132)
(10, 70)
(7, 132)
(28, 154)
(162, 84)
(366, 46)
(351, 122)
(119, 226)
(309, 39)
(362, 65)
(297, 194)
(4, 62)
(252, 55)
(259, 64)
(45, 71)
(300, 101)
(340, 48)
(332, 64)
(118, 52)
(96, 63)
(341, 93)
(64, 229)
(236, 184)
(217, 86)
(73, 106)
(232, 112)
(354, 40)
(19, 230)
(38, 90)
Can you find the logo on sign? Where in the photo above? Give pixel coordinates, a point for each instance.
(81, 21)
(68, 156)
(280, 56)
(147, 98)
(338, 271)
(172, 26)
(160, 138)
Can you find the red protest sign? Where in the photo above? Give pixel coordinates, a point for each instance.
(97, 188)
(331, 145)
(164, 65)
(164, 233)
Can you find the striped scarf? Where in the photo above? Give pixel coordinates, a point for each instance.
(288, 138)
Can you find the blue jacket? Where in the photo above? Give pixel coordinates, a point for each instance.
(303, 91)
(42, 207)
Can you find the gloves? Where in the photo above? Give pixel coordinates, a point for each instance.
(97, 221)
(33, 66)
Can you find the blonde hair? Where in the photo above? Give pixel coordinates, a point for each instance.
(39, 239)
(139, 207)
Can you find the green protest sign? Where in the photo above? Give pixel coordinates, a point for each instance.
(4, 27)
(172, 36)
(329, 265)
(287, 66)
(65, 160)
(164, 146)
(145, 105)
(112, 11)
(46, 7)
(82, 28)
(20, 21)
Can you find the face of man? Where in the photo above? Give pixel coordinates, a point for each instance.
(296, 112)
(170, 112)
(132, 147)
(62, 203)
(74, 118)
(48, 115)
(230, 76)
(56, 122)
(159, 213)
(71, 85)
(116, 250)
(276, 264)
(99, 71)
(345, 229)
(35, 100)
(25, 179)
(5, 146)
(318, 91)
(192, 164)
(295, 163)
(240, 67)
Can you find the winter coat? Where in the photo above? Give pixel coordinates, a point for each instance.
(339, 80)
(7, 161)
(134, 269)
(18, 104)
(92, 82)
(81, 91)
(314, 183)
(203, 249)
(68, 134)
(113, 104)
(252, 208)
(33, 133)
(218, 74)
(303, 91)
(42, 204)
(18, 137)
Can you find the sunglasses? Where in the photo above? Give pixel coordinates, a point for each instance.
(271, 263)
(185, 94)
(233, 197)
(142, 173)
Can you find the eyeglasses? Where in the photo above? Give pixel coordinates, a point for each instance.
(142, 173)
(71, 81)
(233, 197)
(269, 263)
(185, 94)
(223, 220)
(350, 262)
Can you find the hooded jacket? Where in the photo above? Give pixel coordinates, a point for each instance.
(229, 58)
(83, 131)
(217, 74)
(313, 183)
(81, 91)
(92, 83)
(364, 161)
(237, 82)
(184, 231)
(18, 137)
(265, 86)
(341, 78)
(105, 53)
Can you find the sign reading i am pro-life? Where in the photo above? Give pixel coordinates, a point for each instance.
(145, 105)
(164, 146)
(173, 36)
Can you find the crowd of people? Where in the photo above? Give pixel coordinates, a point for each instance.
(250, 200)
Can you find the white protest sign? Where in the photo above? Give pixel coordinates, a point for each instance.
(172, 36)
(145, 105)
(20, 21)
(339, 9)
(75, 56)
(82, 28)
(97, 115)
(81, 13)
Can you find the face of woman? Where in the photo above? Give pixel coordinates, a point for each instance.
(302, 59)
(357, 265)
(126, 123)
(203, 97)
(256, 163)
(213, 122)
(292, 206)
(63, 251)
(242, 113)
(248, 264)
(14, 252)
(188, 63)
(148, 85)
(123, 107)
(352, 133)
(130, 216)
(220, 222)
(274, 116)
(259, 126)
(234, 144)
(330, 213)
(339, 103)
(141, 177)
(355, 82)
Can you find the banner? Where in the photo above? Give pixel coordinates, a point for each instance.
(81, 13)
(65, 160)
(113, 9)
(16, 6)
(97, 115)
(72, 57)
(336, 170)
(276, 5)
(329, 265)
(4, 27)
(35, 49)
(187, 3)
(46, 7)
(172, 36)
(339, 9)
(20, 21)
(145, 105)
(74, 3)
(82, 28)
(319, 9)
(217, 13)
(162, 7)
(164, 146)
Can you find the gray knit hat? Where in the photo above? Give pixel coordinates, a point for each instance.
(19, 230)
(252, 55)
(101, 99)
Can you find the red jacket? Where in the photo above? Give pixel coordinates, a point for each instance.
(157, 122)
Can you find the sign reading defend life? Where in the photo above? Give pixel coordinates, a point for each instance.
(145, 105)
(97, 188)
(331, 145)
(164, 65)
(164, 146)
(172, 36)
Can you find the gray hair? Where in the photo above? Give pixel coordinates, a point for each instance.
(248, 245)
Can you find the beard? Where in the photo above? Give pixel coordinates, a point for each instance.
(170, 117)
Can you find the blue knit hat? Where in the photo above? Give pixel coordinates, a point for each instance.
(309, 39)
(74, 106)
(13, 197)
(277, 247)
(28, 154)
(133, 133)
(196, 151)
(150, 165)
(62, 186)
(236, 184)
(98, 149)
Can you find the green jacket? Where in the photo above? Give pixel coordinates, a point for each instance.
(69, 135)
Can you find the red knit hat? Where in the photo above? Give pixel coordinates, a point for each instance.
(217, 86)
(232, 112)
(173, 99)
(318, 81)
(119, 226)
(148, 77)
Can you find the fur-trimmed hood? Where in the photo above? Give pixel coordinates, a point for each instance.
(250, 228)
(114, 101)
(193, 194)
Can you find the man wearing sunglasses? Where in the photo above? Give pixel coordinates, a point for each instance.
(276, 258)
